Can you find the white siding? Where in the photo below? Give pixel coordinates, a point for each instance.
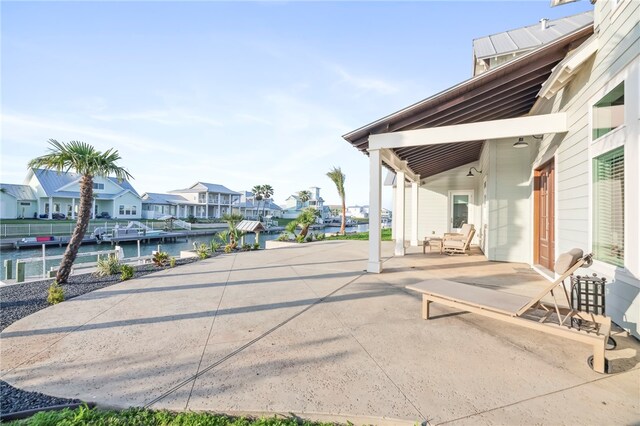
(8, 206)
(433, 201)
(619, 45)
(128, 199)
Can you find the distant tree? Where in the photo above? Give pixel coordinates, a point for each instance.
(258, 195)
(267, 193)
(88, 162)
(338, 179)
(304, 196)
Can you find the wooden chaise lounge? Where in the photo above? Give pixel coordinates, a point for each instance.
(532, 313)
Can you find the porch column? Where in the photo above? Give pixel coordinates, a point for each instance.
(50, 207)
(93, 208)
(73, 208)
(206, 202)
(414, 213)
(375, 201)
(399, 250)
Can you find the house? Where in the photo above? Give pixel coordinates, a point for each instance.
(202, 200)
(293, 205)
(17, 202)
(541, 153)
(47, 192)
(360, 212)
(156, 205)
(250, 208)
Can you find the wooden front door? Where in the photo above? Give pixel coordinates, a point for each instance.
(544, 208)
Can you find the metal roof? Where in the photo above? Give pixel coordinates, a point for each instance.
(52, 181)
(157, 198)
(250, 226)
(529, 37)
(268, 204)
(507, 91)
(20, 192)
(210, 187)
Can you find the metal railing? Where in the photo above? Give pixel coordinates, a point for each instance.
(65, 229)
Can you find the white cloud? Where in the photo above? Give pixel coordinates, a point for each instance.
(173, 117)
(365, 83)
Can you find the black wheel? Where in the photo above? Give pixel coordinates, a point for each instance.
(607, 368)
(611, 344)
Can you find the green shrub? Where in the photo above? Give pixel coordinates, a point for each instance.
(109, 265)
(126, 272)
(160, 258)
(300, 238)
(214, 246)
(192, 219)
(256, 246)
(172, 262)
(56, 293)
(228, 248)
(246, 247)
(320, 236)
(309, 238)
(283, 237)
(203, 251)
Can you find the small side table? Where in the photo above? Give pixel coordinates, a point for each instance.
(432, 242)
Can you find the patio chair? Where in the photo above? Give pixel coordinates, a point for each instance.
(458, 243)
(553, 318)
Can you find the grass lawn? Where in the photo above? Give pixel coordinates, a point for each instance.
(386, 236)
(137, 416)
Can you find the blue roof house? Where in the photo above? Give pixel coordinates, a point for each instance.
(201, 200)
(55, 192)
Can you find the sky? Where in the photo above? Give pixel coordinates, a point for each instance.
(234, 93)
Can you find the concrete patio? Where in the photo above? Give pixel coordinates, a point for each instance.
(305, 330)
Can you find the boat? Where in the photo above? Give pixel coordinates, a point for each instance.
(134, 231)
(48, 240)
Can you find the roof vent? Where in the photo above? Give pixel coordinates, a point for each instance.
(544, 23)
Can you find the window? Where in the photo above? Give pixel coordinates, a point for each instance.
(608, 113)
(608, 207)
(134, 210)
(56, 207)
(121, 210)
(98, 185)
(25, 204)
(128, 211)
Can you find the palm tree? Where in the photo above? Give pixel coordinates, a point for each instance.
(258, 193)
(88, 162)
(305, 219)
(232, 220)
(267, 193)
(304, 196)
(338, 178)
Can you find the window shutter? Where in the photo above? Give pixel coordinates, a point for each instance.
(608, 223)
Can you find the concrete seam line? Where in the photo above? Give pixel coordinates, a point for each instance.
(215, 315)
(77, 328)
(242, 348)
(599, 379)
(364, 349)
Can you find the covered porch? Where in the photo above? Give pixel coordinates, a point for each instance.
(457, 152)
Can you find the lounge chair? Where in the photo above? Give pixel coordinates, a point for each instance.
(532, 313)
(458, 243)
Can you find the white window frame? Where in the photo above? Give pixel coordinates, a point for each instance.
(610, 141)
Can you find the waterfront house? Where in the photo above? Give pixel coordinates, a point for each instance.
(250, 208)
(541, 153)
(156, 205)
(17, 202)
(359, 212)
(47, 193)
(293, 205)
(205, 200)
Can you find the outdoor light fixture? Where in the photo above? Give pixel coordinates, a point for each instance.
(520, 144)
(470, 174)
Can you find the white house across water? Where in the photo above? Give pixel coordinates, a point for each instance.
(540, 151)
(47, 192)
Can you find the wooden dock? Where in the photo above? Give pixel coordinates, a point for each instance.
(165, 237)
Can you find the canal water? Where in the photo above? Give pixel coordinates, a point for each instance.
(34, 269)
